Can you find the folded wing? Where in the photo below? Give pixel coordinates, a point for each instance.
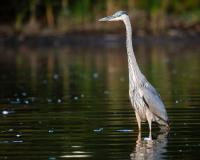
(155, 104)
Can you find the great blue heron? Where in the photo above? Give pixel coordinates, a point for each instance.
(144, 98)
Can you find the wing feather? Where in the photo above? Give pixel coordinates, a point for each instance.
(155, 104)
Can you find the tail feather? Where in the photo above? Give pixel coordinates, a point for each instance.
(163, 125)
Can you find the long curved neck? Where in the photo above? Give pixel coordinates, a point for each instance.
(135, 75)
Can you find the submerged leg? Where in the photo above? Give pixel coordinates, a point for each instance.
(139, 136)
(149, 122)
(139, 140)
(150, 136)
(138, 121)
(149, 119)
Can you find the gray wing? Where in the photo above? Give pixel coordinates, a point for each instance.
(153, 101)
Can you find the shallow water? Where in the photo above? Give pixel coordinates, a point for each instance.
(72, 102)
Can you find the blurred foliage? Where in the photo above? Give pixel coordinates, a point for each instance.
(154, 16)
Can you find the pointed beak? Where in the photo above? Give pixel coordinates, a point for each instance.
(108, 18)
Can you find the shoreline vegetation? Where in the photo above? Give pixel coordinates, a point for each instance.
(178, 18)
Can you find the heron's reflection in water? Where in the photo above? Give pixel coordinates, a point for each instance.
(150, 149)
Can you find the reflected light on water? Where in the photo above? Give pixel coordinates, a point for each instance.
(77, 154)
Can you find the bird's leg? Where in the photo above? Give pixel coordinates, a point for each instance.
(149, 117)
(139, 142)
(139, 136)
(149, 122)
(138, 121)
(150, 136)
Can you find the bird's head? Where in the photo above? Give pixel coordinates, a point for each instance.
(117, 16)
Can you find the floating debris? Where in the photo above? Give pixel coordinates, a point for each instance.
(10, 130)
(18, 141)
(26, 102)
(51, 130)
(98, 130)
(124, 130)
(82, 95)
(18, 135)
(75, 98)
(176, 101)
(5, 112)
(59, 100)
(17, 101)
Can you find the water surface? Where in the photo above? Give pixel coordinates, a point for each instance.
(72, 102)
